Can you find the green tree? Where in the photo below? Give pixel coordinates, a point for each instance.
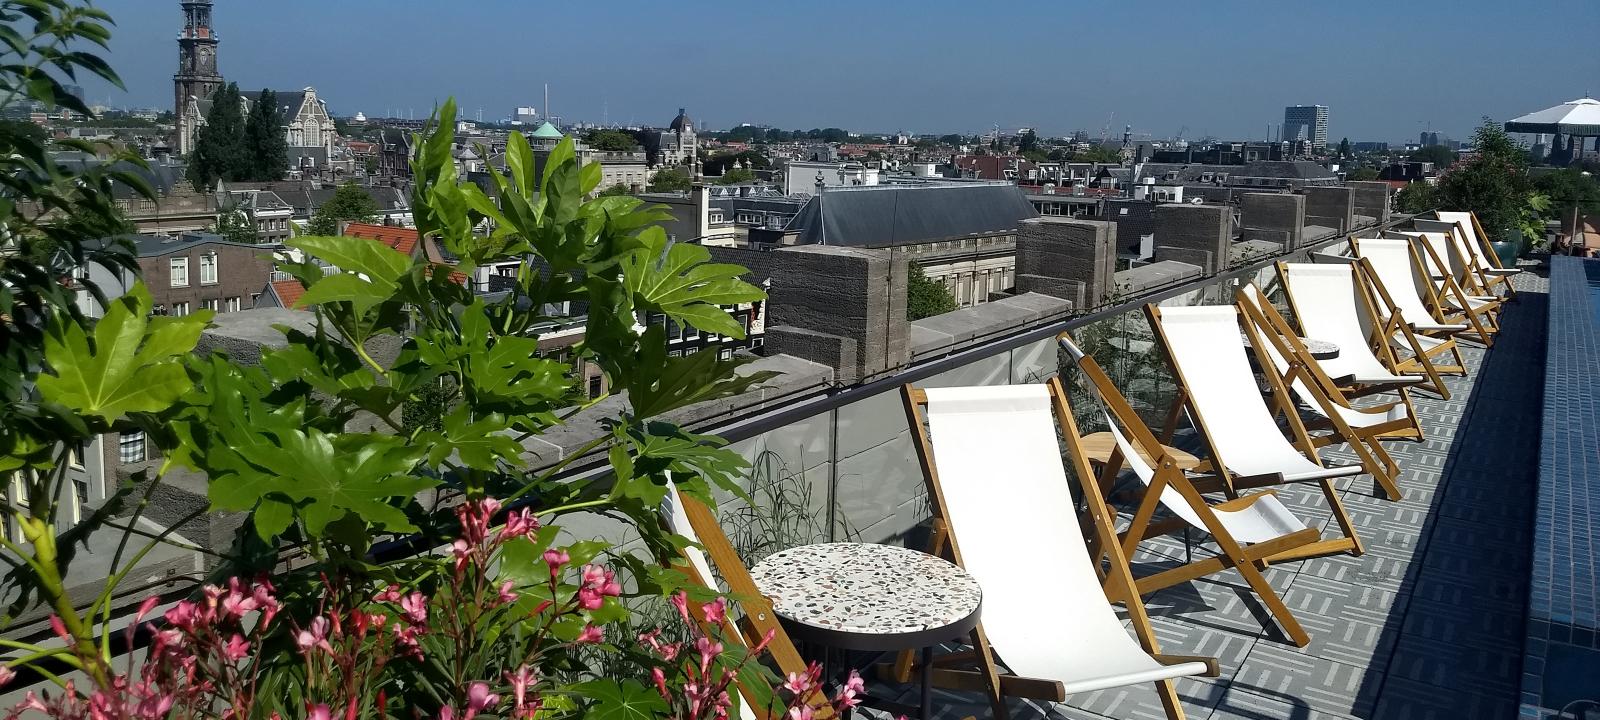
(952, 140)
(349, 203)
(1494, 183)
(235, 225)
(266, 146)
(1344, 148)
(1362, 174)
(1416, 197)
(1028, 142)
(1037, 156)
(615, 191)
(613, 140)
(670, 180)
(735, 176)
(1439, 155)
(1099, 154)
(925, 298)
(221, 151)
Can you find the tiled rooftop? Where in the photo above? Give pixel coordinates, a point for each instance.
(1429, 623)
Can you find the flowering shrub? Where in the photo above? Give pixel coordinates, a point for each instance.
(368, 652)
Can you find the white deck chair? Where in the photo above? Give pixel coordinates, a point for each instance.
(1446, 261)
(1395, 266)
(1207, 355)
(693, 520)
(1361, 428)
(1003, 509)
(1331, 303)
(1251, 529)
(1449, 272)
(1470, 273)
(1477, 243)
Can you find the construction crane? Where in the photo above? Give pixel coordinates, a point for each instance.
(1181, 131)
(1105, 132)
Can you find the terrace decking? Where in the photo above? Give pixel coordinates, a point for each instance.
(1429, 623)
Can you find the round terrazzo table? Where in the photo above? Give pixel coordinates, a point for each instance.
(862, 596)
(1319, 349)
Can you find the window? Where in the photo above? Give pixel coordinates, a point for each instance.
(596, 386)
(254, 297)
(180, 309)
(213, 304)
(77, 454)
(725, 354)
(208, 269)
(131, 447)
(179, 272)
(233, 304)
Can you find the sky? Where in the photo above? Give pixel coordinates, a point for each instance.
(1387, 70)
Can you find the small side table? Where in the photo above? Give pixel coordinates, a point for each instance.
(863, 596)
(1319, 349)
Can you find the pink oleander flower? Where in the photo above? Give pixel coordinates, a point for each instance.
(479, 699)
(390, 594)
(415, 607)
(716, 611)
(320, 712)
(508, 593)
(6, 675)
(519, 524)
(680, 602)
(183, 615)
(520, 681)
(803, 711)
(590, 598)
(463, 554)
(145, 607)
(236, 648)
(850, 695)
(475, 516)
(591, 635)
(314, 635)
(556, 559)
(709, 650)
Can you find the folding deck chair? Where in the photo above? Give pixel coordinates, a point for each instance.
(1470, 272)
(1362, 428)
(1394, 275)
(1003, 510)
(1250, 531)
(1448, 273)
(1331, 302)
(690, 518)
(1477, 243)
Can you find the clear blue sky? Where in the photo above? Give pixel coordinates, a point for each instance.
(1385, 68)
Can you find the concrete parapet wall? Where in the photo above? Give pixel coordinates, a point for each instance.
(1331, 207)
(1066, 258)
(1273, 217)
(1195, 234)
(852, 293)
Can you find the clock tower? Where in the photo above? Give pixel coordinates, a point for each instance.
(197, 77)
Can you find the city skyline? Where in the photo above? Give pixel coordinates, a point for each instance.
(814, 66)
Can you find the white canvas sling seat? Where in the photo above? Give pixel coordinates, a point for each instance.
(1446, 264)
(1434, 251)
(1476, 242)
(1208, 356)
(1249, 531)
(1330, 304)
(1004, 510)
(1473, 275)
(1394, 269)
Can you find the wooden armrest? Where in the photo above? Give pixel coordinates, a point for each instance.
(1243, 501)
(1211, 662)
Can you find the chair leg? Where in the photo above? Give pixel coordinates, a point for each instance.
(1347, 527)
(1280, 612)
(1168, 692)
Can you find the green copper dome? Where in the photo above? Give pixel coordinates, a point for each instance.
(547, 132)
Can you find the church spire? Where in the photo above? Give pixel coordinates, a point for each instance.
(197, 76)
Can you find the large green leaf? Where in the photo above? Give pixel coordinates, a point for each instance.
(626, 700)
(134, 365)
(678, 280)
(377, 261)
(480, 444)
(658, 383)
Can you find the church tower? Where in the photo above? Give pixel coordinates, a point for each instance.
(197, 76)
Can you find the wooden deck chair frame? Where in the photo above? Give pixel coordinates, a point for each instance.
(1378, 343)
(1249, 560)
(1422, 360)
(757, 617)
(1217, 465)
(1480, 318)
(1271, 326)
(1478, 241)
(1119, 584)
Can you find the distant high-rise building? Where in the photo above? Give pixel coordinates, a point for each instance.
(1429, 138)
(525, 116)
(1306, 122)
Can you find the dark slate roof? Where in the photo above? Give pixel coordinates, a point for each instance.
(682, 120)
(289, 101)
(158, 245)
(1280, 169)
(888, 215)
